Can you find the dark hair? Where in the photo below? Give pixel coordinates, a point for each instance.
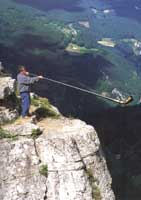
(21, 68)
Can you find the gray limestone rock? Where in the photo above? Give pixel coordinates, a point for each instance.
(8, 102)
(7, 115)
(19, 171)
(25, 129)
(69, 152)
(7, 87)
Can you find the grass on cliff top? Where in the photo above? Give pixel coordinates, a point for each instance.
(44, 108)
(36, 133)
(6, 134)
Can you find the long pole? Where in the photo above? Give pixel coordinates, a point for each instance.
(126, 101)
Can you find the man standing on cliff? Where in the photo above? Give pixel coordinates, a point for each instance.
(24, 83)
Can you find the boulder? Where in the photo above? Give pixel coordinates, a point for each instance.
(7, 87)
(7, 115)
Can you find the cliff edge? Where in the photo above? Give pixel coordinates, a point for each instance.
(54, 159)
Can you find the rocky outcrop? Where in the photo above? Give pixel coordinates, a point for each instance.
(8, 101)
(63, 162)
(56, 159)
(7, 87)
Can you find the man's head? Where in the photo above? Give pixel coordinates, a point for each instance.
(22, 70)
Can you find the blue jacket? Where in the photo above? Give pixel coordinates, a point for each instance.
(24, 82)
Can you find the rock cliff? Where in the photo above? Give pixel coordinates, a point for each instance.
(55, 159)
(8, 101)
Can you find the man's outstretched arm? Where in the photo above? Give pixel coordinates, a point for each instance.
(26, 80)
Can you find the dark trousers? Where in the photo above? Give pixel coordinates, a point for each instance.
(25, 103)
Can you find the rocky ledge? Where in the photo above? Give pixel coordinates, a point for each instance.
(58, 159)
(55, 159)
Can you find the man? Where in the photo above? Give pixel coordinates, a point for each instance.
(24, 83)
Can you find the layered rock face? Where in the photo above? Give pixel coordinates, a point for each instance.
(65, 162)
(8, 104)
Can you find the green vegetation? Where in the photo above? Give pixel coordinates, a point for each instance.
(44, 108)
(6, 134)
(21, 23)
(36, 133)
(80, 50)
(136, 181)
(95, 190)
(104, 85)
(42, 102)
(44, 170)
(44, 112)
